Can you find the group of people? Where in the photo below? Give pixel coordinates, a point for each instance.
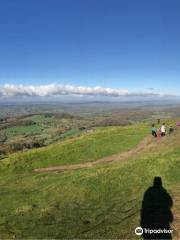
(161, 132)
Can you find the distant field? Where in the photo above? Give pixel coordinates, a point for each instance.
(102, 202)
(37, 130)
(21, 130)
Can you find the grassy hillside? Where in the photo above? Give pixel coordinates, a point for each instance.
(40, 127)
(88, 147)
(100, 202)
(36, 130)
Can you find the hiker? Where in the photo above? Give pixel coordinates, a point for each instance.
(153, 130)
(178, 124)
(159, 133)
(171, 130)
(163, 130)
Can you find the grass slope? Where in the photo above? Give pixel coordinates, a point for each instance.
(101, 202)
(89, 147)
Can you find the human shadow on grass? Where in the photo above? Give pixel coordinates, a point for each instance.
(156, 211)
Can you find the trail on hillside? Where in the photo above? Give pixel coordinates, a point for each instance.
(113, 158)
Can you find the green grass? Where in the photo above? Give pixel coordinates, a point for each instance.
(22, 130)
(102, 202)
(86, 148)
(38, 117)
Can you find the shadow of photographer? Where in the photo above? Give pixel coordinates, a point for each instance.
(156, 211)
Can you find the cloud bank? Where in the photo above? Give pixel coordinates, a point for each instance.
(50, 90)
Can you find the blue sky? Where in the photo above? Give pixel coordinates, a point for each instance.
(123, 44)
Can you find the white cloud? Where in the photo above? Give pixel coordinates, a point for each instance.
(11, 90)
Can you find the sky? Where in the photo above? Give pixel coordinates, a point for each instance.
(106, 47)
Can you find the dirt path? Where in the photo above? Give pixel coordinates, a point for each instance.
(113, 158)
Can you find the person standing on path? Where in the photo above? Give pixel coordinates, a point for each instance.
(163, 130)
(153, 130)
